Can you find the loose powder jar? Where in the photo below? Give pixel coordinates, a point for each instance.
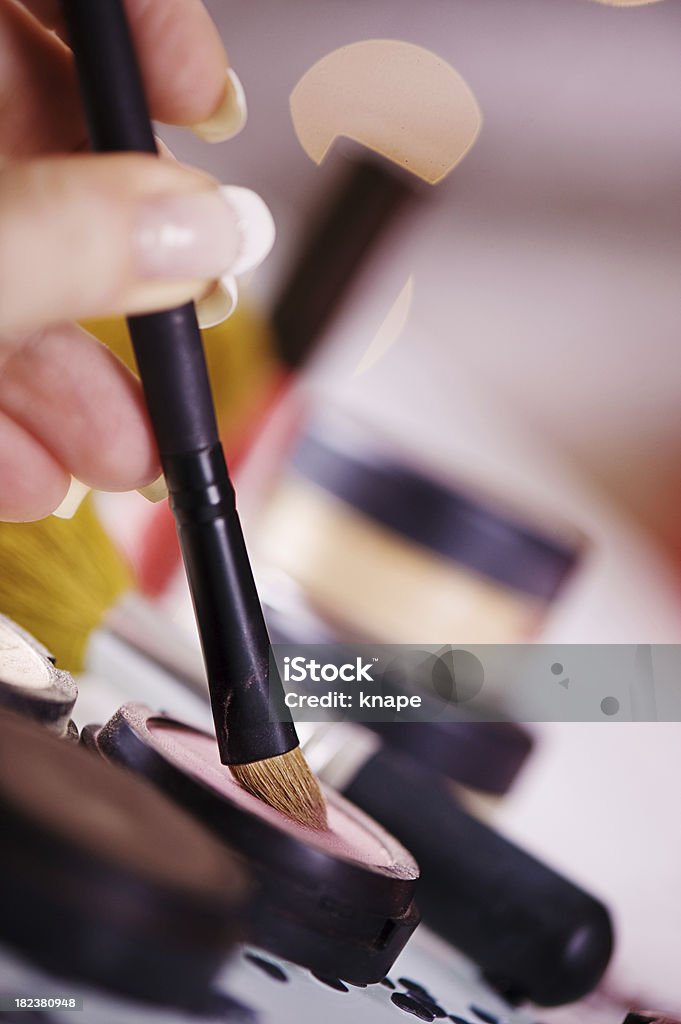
(390, 553)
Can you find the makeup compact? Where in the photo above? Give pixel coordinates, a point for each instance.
(338, 901)
(391, 553)
(104, 883)
(31, 685)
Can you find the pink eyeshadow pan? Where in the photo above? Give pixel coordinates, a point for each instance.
(197, 754)
(339, 901)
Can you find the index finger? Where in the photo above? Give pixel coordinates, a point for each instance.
(181, 54)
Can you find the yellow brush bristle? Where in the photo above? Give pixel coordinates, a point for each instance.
(58, 578)
(287, 784)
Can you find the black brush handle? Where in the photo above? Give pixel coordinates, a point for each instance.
(171, 362)
(534, 933)
(338, 243)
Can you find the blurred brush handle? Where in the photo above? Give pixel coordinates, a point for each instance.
(170, 358)
(534, 934)
(337, 245)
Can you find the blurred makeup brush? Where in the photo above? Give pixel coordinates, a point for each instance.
(394, 151)
(59, 578)
(243, 371)
(335, 249)
(421, 121)
(255, 733)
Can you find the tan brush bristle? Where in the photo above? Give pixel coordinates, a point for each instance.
(287, 784)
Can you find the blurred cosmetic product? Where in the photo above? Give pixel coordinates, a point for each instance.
(483, 758)
(106, 888)
(338, 900)
(388, 552)
(533, 932)
(31, 685)
(253, 362)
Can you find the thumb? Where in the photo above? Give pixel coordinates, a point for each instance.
(99, 235)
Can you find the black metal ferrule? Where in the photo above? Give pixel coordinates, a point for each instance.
(251, 719)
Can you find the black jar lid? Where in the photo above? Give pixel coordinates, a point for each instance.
(315, 903)
(474, 532)
(103, 880)
(486, 756)
(30, 684)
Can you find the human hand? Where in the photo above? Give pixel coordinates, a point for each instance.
(84, 235)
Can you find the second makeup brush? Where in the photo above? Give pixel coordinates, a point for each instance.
(255, 734)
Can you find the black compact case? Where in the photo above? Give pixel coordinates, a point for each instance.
(534, 933)
(485, 756)
(104, 882)
(338, 916)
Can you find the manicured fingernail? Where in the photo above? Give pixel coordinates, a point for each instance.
(203, 235)
(256, 228)
(155, 491)
(75, 496)
(230, 116)
(218, 303)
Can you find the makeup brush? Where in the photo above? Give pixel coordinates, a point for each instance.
(337, 244)
(59, 577)
(394, 151)
(255, 733)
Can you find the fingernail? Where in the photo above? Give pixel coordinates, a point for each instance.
(75, 496)
(155, 491)
(203, 235)
(230, 116)
(218, 303)
(164, 150)
(256, 228)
